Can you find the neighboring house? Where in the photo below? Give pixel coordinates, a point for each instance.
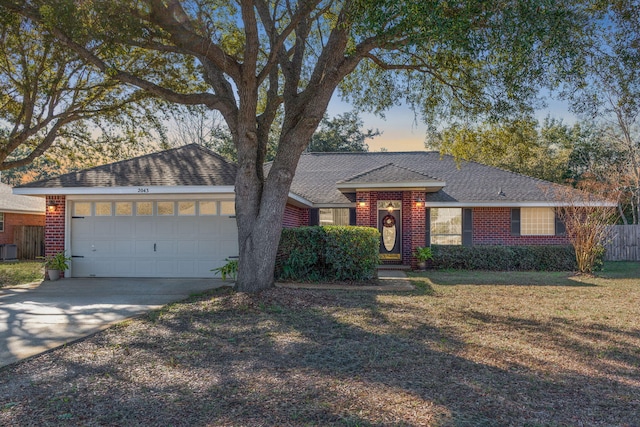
(17, 212)
(171, 214)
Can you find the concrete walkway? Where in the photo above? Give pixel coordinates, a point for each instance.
(42, 316)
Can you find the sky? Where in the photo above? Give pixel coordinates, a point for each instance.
(403, 131)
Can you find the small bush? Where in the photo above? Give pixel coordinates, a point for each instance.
(505, 258)
(327, 253)
(351, 253)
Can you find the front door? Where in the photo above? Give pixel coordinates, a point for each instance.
(390, 227)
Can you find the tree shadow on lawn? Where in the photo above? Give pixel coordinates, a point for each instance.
(293, 357)
(502, 278)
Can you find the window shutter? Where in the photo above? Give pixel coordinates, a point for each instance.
(427, 227)
(467, 227)
(314, 216)
(561, 230)
(515, 221)
(352, 216)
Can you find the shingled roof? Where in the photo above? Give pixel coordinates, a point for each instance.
(317, 176)
(183, 166)
(10, 202)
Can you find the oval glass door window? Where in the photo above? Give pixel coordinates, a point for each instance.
(389, 232)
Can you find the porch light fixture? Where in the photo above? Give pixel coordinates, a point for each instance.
(390, 207)
(362, 202)
(419, 202)
(52, 205)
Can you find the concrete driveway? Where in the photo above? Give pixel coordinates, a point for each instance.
(40, 317)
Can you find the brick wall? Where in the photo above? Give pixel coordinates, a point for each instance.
(12, 220)
(413, 217)
(492, 226)
(295, 217)
(54, 226)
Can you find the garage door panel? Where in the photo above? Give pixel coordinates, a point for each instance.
(103, 227)
(166, 247)
(123, 227)
(166, 267)
(144, 227)
(144, 267)
(143, 247)
(151, 246)
(188, 249)
(124, 247)
(187, 227)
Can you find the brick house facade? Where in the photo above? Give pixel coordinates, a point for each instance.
(434, 200)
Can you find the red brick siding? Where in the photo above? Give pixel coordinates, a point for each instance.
(492, 226)
(295, 217)
(54, 226)
(413, 218)
(417, 223)
(12, 220)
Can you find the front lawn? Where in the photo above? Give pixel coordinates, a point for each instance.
(20, 272)
(515, 349)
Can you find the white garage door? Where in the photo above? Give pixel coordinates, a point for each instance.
(151, 238)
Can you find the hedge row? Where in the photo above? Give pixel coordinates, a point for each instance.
(328, 253)
(540, 258)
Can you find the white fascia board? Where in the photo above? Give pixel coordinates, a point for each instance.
(19, 212)
(335, 205)
(431, 185)
(140, 191)
(509, 204)
(299, 201)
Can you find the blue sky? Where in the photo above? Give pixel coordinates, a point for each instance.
(401, 131)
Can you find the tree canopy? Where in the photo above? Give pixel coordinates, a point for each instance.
(253, 60)
(341, 133)
(49, 97)
(522, 145)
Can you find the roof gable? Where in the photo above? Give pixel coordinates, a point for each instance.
(319, 175)
(10, 202)
(190, 165)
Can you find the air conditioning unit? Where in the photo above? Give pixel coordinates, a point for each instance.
(8, 252)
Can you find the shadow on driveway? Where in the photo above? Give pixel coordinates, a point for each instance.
(40, 317)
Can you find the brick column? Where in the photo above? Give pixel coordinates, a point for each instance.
(417, 224)
(363, 215)
(54, 226)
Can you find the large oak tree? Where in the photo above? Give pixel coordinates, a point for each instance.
(253, 60)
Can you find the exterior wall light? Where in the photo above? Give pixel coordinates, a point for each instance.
(362, 202)
(419, 202)
(52, 206)
(390, 207)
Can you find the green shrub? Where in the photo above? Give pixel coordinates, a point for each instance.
(504, 258)
(351, 253)
(327, 253)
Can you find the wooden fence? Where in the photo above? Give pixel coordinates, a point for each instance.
(624, 243)
(29, 240)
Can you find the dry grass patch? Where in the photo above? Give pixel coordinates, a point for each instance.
(20, 272)
(449, 354)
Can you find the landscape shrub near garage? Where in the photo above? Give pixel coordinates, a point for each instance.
(328, 253)
(505, 258)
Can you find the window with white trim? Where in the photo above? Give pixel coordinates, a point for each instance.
(1, 222)
(537, 222)
(334, 216)
(446, 226)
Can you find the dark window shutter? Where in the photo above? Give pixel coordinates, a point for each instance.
(427, 227)
(314, 216)
(467, 227)
(352, 216)
(561, 230)
(515, 221)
